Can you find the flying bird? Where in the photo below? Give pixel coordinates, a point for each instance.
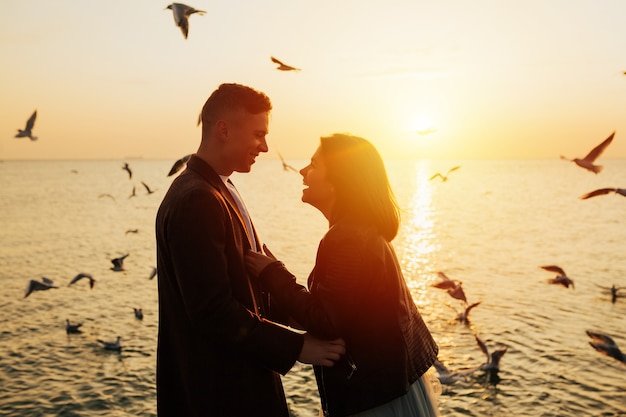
(138, 313)
(107, 195)
(134, 192)
(587, 161)
(492, 362)
(463, 316)
(126, 168)
(448, 377)
(603, 191)
(150, 191)
(178, 165)
(606, 345)
(444, 177)
(81, 276)
(427, 131)
(72, 328)
(452, 287)
(118, 263)
(153, 273)
(131, 231)
(283, 67)
(561, 277)
(181, 15)
(613, 290)
(44, 284)
(28, 130)
(111, 345)
(286, 166)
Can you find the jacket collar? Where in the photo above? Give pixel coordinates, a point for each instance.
(202, 168)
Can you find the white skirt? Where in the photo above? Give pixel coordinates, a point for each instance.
(420, 401)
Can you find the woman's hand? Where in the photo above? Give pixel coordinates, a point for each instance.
(256, 262)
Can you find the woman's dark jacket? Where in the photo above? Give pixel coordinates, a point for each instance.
(216, 356)
(357, 292)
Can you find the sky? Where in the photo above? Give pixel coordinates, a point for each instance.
(489, 79)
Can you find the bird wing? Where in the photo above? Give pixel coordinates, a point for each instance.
(178, 165)
(146, 186)
(81, 276)
(276, 61)
(190, 10)
(553, 268)
(435, 176)
(458, 293)
(595, 152)
(595, 193)
(47, 281)
(32, 286)
(180, 17)
(602, 286)
(454, 168)
(482, 347)
(608, 350)
(31, 121)
(497, 355)
(600, 337)
(440, 367)
(621, 191)
(471, 306)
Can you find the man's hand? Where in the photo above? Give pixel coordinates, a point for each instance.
(321, 352)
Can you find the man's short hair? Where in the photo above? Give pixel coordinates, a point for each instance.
(231, 96)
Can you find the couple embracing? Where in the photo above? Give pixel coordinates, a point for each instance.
(224, 298)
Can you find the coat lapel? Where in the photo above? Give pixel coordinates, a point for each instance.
(198, 165)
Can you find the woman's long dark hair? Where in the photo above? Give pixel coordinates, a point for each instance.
(357, 172)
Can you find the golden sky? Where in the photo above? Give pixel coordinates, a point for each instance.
(487, 78)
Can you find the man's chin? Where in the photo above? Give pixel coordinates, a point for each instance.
(244, 169)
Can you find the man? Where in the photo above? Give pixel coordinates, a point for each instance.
(219, 353)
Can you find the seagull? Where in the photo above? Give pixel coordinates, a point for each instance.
(463, 316)
(81, 276)
(492, 363)
(613, 290)
(448, 377)
(44, 284)
(286, 166)
(111, 345)
(587, 161)
(147, 188)
(153, 273)
(138, 313)
(561, 278)
(107, 195)
(605, 345)
(453, 287)
(181, 15)
(444, 177)
(118, 263)
(72, 328)
(28, 130)
(283, 67)
(427, 131)
(126, 168)
(178, 165)
(602, 191)
(132, 231)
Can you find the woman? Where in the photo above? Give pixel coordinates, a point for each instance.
(356, 289)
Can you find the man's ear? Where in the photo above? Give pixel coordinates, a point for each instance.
(221, 129)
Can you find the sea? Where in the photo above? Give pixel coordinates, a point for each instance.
(491, 225)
